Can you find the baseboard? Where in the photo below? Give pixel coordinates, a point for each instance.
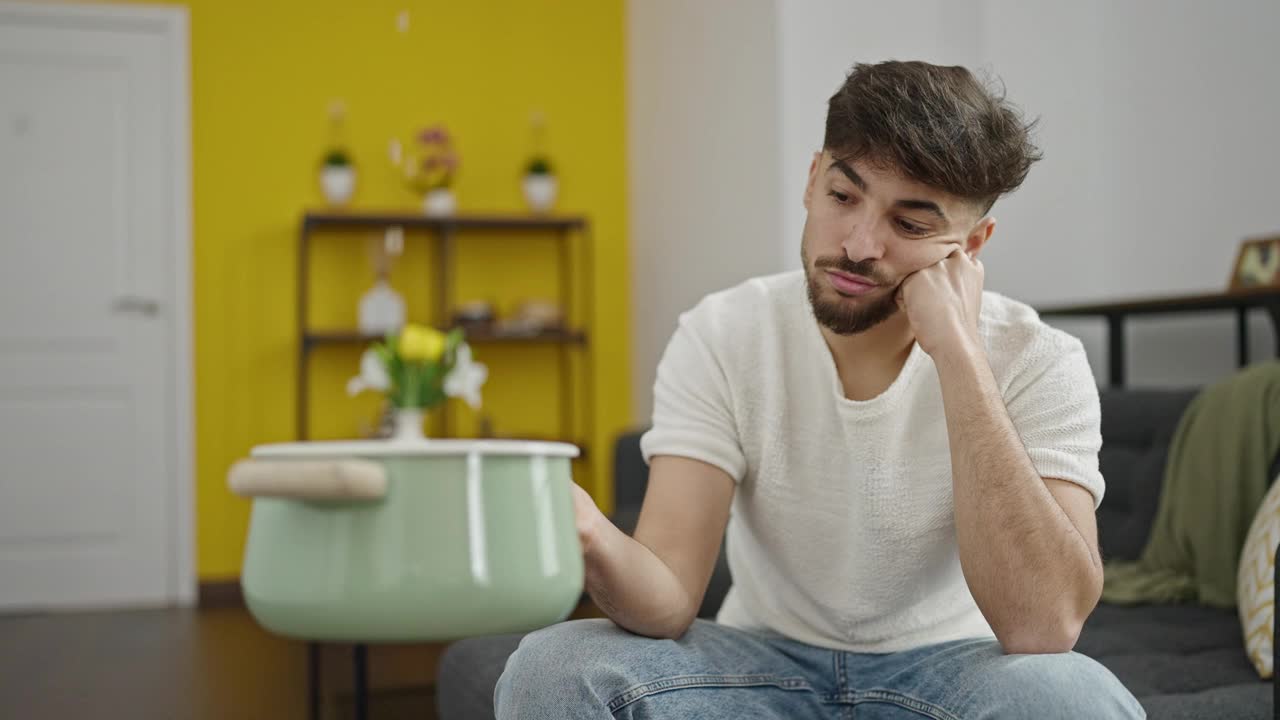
(220, 594)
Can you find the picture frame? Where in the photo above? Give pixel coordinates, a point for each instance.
(1257, 265)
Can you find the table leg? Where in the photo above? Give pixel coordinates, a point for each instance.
(1273, 310)
(313, 681)
(361, 657)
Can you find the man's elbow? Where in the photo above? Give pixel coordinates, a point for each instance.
(675, 625)
(1045, 638)
(686, 622)
(1058, 628)
(674, 633)
(670, 631)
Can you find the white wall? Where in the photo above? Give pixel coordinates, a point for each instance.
(703, 161)
(1158, 123)
(1182, 105)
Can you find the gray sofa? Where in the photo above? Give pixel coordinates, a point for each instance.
(1181, 662)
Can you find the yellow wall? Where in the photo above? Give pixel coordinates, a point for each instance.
(263, 75)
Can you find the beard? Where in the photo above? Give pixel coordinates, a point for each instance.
(842, 315)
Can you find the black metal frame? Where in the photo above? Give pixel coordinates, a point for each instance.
(360, 680)
(575, 262)
(1115, 314)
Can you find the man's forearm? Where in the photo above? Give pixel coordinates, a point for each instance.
(1031, 572)
(635, 588)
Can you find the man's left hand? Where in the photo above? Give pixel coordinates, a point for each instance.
(942, 302)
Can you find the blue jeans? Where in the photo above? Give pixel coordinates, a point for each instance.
(594, 669)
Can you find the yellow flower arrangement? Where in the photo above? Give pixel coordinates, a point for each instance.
(420, 367)
(421, 343)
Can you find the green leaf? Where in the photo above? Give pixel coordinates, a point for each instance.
(385, 355)
(433, 398)
(396, 371)
(538, 166)
(451, 342)
(337, 157)
(411, 391)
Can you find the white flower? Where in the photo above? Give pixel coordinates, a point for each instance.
(466, 377)
(372, 375)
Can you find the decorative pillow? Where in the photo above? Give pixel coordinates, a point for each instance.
(1255, 582)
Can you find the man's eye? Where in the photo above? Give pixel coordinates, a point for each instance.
(839, 196)
(911, 228)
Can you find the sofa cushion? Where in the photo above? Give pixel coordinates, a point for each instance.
(469, 672)
(630, 471)
(1137, 427)
(1238, 702)
(1180, 661)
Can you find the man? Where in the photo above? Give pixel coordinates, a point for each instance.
(906, 465)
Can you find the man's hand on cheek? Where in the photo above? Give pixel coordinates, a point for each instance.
(942, 302)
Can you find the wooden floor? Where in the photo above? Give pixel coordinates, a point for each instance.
(176, 664)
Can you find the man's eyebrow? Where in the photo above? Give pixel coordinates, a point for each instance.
(854, 177)
(927, 205)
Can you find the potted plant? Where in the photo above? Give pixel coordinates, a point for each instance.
(418, 369)
(337, 172)
(337, 177)
(429, 167)
(540, 185)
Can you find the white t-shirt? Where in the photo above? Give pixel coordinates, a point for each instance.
(842, 530)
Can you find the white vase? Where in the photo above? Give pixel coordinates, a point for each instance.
(439, 202)
(338, 182)
(408, 424)
(540, 191)
(381, 310)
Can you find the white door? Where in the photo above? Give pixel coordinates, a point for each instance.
(95, 453)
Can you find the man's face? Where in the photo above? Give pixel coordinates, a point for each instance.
(868, 229)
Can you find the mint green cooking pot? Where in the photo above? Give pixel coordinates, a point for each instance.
(409, 540)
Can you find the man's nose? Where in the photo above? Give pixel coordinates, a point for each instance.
(863, 242)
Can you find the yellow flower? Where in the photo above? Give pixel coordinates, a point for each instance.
(419, 343)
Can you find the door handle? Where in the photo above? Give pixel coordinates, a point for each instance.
(135, 304)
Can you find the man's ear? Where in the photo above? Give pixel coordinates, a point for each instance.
(979, 236)
(813, 178)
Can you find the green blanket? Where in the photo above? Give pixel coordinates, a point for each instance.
(1213, 483)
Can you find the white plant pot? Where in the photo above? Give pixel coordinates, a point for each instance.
(440, 202)
(338, 182)
(408, 424)
(540, 192)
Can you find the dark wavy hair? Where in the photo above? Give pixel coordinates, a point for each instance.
(936, 125)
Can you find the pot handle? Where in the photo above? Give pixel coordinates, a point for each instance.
(346, 479)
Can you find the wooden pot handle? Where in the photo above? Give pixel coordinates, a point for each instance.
(345, 479)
